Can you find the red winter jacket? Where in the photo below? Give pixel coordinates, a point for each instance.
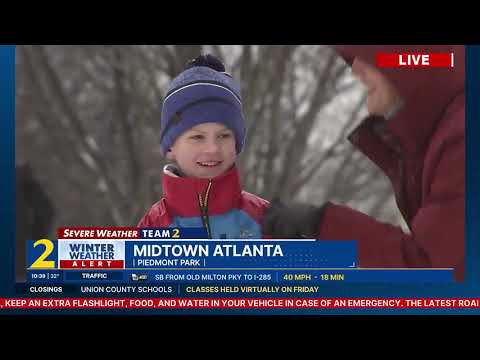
(218, 204)
(422, 151)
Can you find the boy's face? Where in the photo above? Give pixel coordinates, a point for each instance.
(204, 151)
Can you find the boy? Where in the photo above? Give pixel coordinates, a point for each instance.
(202, 131)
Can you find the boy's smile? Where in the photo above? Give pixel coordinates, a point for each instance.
(209, 163)
(204, 151)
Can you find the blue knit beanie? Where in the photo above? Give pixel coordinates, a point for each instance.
(202, 93)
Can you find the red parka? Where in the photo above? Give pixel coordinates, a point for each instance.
(422, 151)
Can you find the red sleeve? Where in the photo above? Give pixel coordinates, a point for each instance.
(438, 227)
(157, 216)
(255, 207)
(145, 221)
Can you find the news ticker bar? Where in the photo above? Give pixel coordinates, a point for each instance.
(240, 303)
(244, 276)
(105, 254)
(199, 260)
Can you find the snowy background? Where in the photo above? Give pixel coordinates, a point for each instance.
(87, 121)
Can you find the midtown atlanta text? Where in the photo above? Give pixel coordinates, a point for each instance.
(182, 250)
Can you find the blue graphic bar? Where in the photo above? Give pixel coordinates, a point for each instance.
(247, 276)
(45, 276)
(94, 276)
(229, 254)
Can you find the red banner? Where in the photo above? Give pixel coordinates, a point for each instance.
(97, 233)
(91, 264)
(415, 60)
(240, 303)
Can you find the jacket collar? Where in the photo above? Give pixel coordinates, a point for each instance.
(182, 193)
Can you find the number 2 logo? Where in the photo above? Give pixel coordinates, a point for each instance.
(41, 263)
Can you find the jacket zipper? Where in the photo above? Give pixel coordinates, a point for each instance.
(204, 209)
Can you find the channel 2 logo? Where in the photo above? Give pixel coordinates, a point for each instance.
(42, 254)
